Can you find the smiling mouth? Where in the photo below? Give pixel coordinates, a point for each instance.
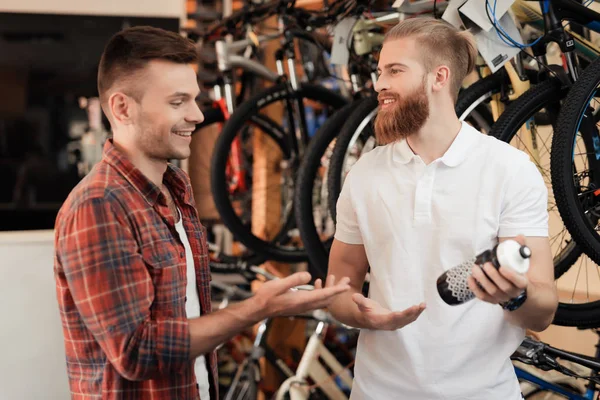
(183, 133)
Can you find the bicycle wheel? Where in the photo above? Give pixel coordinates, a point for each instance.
(517, 126)
(575, 178)
(357, 135)
(250, 118)
(312, 214)
(576, 184)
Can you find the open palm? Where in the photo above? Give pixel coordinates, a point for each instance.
(377, 317)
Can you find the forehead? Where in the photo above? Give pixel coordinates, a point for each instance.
(169, 77)
(404, 51)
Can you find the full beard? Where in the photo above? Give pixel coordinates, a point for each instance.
(405, 117)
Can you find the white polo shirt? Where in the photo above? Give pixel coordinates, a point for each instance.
(417, 221)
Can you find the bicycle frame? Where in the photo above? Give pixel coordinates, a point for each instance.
(544, 355)
(310, 367)
(553, 13)
(542, 384)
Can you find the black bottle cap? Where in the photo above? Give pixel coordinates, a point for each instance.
(525, 252)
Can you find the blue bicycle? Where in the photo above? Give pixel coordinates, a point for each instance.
(544, 357)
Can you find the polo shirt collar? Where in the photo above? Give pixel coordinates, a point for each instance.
(456, 153)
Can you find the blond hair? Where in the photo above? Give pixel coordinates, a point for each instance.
(442, 44)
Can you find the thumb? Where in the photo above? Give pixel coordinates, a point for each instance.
(280, 286)
(361, 301)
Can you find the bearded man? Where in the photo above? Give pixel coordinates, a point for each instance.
(435, 193)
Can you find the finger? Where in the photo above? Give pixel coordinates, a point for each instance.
(344, 281)
(399, 319)
(316, 299)
(407, 314)
(488, 286)
(506, 287)
(318, 284)
(518, 280)
(326, 293)
(479, 293)
(330, 280)
(362, 302)
(282, 285)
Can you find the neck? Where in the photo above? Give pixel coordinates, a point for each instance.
(436, 135)
(153, 169)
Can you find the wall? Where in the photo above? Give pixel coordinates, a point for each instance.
(155, 8)
(33, 361)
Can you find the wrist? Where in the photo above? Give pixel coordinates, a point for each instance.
(516, 302)
(253, 310)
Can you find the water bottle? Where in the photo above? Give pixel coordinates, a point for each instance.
(452, 284)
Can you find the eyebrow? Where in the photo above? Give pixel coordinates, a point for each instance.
(184, 95)
(388, 66)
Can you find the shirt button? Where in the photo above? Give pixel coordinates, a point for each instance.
(186, 299)
(181, 255)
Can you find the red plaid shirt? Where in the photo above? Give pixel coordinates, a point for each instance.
(120, 274)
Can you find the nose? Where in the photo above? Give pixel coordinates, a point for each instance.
(381, 84)
(196, 116)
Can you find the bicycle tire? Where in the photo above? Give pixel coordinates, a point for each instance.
(491, 84)
(538, 97)
(511, 121)
(585, 315)
(303, 199)
(212, 115)
(567, 126)
(244, 113)
(336, 163)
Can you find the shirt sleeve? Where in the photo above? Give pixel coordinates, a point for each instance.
(113, 292)
(525, 205)
(347, 229)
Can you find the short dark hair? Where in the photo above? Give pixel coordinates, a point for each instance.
(129, 50)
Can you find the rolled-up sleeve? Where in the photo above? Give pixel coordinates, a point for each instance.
(113, 292)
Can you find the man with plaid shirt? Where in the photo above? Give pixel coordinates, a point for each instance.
(131, 262)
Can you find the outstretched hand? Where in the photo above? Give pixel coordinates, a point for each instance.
(281, 297)
(375, 316)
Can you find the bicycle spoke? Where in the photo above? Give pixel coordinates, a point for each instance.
(575, 286)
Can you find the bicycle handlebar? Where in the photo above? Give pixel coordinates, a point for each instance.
(304, 18)
(542, 352)
(580, 359)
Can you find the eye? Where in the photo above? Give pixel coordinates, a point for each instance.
(395, 71)
(177, 103)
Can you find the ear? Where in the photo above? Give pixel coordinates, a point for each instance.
(122, 108)
(441, 78)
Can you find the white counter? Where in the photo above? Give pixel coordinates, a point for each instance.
(32, 365)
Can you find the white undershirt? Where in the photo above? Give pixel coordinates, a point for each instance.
(417, 221)
(192, 307)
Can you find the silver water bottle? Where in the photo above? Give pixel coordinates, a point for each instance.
(452, 284)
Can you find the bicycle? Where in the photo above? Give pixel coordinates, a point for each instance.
(246, 380)
(288, 138)
(544, 357)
